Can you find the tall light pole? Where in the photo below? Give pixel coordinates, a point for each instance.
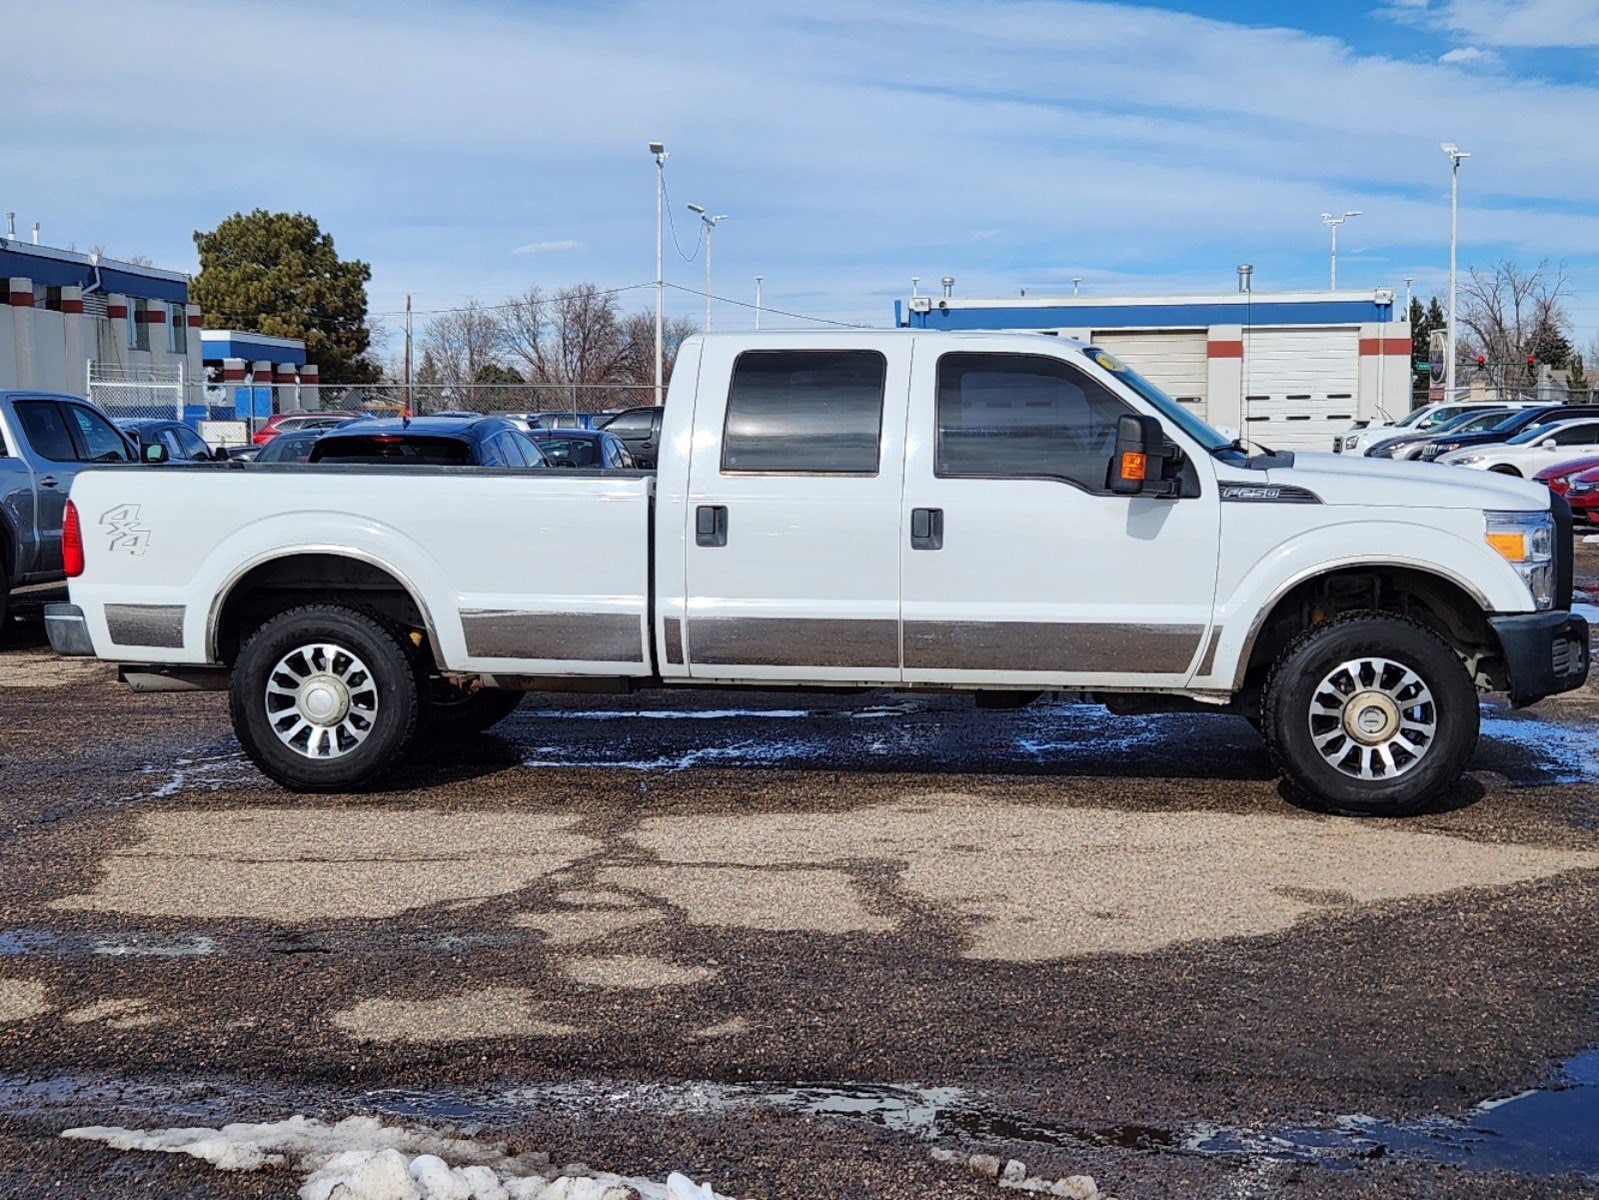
(1334, 222)
(710, 228)
(1455, 154)
(1409, 279)
(659, 151)
(758, 279)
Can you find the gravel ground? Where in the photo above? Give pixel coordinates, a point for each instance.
(674, 932)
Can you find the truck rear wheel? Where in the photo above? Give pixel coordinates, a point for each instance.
(325, 698)
(1370, 714)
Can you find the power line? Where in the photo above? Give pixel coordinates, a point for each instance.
(767, 308)
(672, 222)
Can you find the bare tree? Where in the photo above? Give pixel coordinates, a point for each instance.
(638, 364)
(1508, 314)
(461, 343)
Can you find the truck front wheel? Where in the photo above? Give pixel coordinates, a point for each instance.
(325, 698)
(1370, 714)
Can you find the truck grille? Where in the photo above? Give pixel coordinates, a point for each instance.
(1569, 657)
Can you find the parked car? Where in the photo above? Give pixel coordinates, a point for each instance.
(182, 443)
(640, 431)
(1421, 420)
(553, 420)
(1409, 445)
(990, 513)
(594, 448)
(431, 441)
(45, 440)
(292, 447)
(283, 422)
(1532, 449)
(1558, 477)
(1518, 422)
(1583, 495)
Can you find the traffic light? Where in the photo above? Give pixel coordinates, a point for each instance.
(1482, 361)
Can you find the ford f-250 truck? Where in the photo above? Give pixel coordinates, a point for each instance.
(1009, 514)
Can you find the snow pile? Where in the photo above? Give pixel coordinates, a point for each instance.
(362, 1159)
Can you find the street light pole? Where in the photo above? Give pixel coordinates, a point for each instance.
(659, 151)
(1334, 222)
(710, 228)
(1455, 154)
(758, 279)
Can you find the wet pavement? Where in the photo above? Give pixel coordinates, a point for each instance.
(796, 944)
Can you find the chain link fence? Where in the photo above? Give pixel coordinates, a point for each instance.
(490, 399)
(131, 393)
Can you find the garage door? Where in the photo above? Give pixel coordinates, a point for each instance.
(1299, 385)
(1174, 362)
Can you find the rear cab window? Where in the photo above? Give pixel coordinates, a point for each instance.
(387, 448)
(805, 412)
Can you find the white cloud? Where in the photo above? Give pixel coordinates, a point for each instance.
(1470, 56)
(547, 247)
(1526, 24)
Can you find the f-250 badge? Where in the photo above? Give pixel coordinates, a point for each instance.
(127, 535)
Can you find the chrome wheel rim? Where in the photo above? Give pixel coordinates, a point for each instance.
(321, 701)
(1373, 719)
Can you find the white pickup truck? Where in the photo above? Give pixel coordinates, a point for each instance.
(1000, 514)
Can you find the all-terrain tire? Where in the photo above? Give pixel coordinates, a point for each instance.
(383, 691)
(450, 713)
(1299, 710)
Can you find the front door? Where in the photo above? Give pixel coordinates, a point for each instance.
(1038, 577)
(793, 515)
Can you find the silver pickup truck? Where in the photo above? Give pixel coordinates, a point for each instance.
(44, 440)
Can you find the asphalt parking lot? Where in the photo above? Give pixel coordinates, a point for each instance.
(796, 945)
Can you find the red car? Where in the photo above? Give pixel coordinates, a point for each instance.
(288, 422)
(1583, 492)
(1558, 477)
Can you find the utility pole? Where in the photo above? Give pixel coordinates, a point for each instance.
(659, 151)
(1334, 222)
(758, 279)
(1455, 154)
(408, 406)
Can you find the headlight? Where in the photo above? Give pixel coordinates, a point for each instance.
(1470, 459)
(1580, 488)
(1527, 542)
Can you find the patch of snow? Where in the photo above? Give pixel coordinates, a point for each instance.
(759, 750)
(155, 945)
(1564, 753)
(1591, 539)
(1590, 611)
(209, 773)
(360, 1158)
(709, 714)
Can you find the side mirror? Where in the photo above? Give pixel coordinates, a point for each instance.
(1144, 459)
(1547, 444)
(220, 454)
(155, 452)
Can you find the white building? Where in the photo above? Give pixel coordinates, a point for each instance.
(68, 318)
(1288, 370)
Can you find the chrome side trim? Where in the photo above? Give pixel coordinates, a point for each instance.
(792, 642)
(512, 633)
(1053, 647)
(157, 625)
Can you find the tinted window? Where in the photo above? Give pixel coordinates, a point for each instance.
(1015, 415)
(392, 447)
(46, 430)
(579, 452)
(812, 411)
(193, 444)
(1576, 435)
(101, 441)
(169, 439)
(636, 422)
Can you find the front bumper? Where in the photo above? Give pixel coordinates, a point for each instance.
(1545, 653)
(68, 631)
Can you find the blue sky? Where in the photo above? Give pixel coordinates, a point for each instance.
(481, 146)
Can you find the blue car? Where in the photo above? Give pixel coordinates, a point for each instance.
(431, 441)
(592, 448)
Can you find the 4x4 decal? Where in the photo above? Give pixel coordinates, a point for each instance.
(127, 535)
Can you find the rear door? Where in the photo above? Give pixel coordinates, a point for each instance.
(640, 431)
(55, 457)
(793, 524)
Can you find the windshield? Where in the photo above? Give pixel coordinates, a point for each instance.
(1473, 422)
(1164, 404)
(579, 452)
